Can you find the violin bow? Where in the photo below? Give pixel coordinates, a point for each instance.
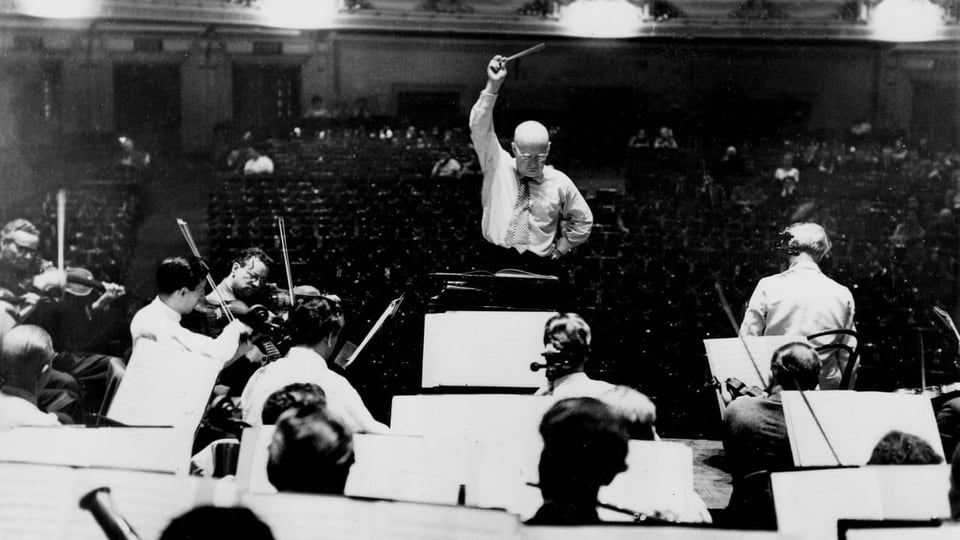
(803, 394)
(286, 258)
(61, 227)
(185, 230)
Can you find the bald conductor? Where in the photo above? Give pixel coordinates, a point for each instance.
(528, 206)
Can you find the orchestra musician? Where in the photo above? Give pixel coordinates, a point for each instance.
(245, 286)
(36, 292)
(801, 300)
(180, 286)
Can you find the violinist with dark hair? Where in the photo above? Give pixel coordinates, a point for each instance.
(180, 286)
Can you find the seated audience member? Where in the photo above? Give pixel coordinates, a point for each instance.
(665, 139)
(257, 163)
(315, 324)
(899, 448)
(217, 522)
(292, 396)
(130, 157)
(566, 340)
(311, 452)
(25, 355)
(755, 440)
(446, 166)
(316, 110)
(788, 176)
(639, 139)
(180, 285)
(584, 449)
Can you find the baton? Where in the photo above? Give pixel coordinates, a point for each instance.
(536, 48)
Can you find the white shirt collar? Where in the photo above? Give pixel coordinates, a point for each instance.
(805, 265)
(167, 311)
(306, 354)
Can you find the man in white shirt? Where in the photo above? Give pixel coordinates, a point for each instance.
(180, 286)
(566, 340)
(788, 176)
(802, 300)
(527, 206)
(315, 324)
(25, 355)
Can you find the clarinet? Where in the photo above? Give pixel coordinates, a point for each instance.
(99, 503)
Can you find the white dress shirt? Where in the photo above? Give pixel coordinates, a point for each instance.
(303, 365)
(556, 206)
(159, 322)
(801, 301)
(17, 410)
(575, 385)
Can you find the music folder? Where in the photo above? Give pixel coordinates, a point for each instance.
(853, 423)
(728, 358)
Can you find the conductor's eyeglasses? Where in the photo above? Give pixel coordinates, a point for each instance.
(531, 157)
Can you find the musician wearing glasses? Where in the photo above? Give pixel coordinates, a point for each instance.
(26, 278)
(528, 206)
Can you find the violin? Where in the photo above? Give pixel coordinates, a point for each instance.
(79, 282)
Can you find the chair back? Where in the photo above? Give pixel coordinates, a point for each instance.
(852, 364)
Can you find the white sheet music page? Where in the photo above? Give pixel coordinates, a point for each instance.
(809, 503)
(148, 501)
(854, 422)
(145, 449)
(914, 491)
(659, 477)
(252, 461)
(404, 468)
(729, 359)
(164, 388)
(33, 500)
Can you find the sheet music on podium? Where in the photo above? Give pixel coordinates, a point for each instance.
(395, 467)
(42, 502)
(809, 503)
(164, 388)
(728, 359)
(142, 449)
(307, 517)
(853, 422)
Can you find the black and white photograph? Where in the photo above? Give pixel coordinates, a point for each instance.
(479, 269)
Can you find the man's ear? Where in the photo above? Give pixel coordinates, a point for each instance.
(234, 268)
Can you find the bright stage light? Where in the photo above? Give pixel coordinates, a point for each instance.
(298, 14)
(906, 20)
(61, 9)
(601, 18)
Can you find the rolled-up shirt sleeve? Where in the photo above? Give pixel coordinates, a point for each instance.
(576, 217)
(499, 186)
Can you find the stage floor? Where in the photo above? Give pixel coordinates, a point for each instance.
(710, 482)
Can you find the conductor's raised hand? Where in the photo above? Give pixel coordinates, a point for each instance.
(496, 72)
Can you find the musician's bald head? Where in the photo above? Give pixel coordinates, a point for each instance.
(26, 352)
(531, 144)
